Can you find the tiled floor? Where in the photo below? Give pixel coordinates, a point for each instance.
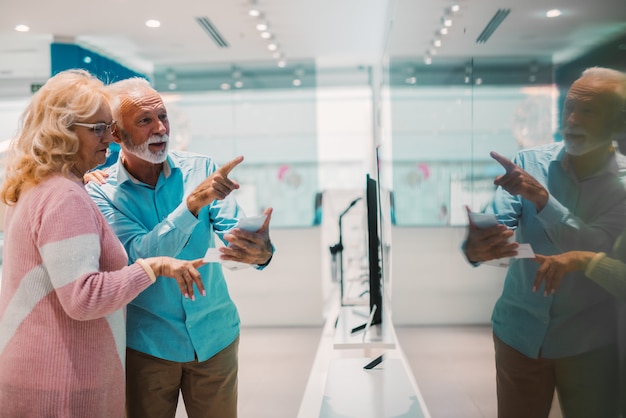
(453, 367)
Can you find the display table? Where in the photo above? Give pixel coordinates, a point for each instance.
(360, 374)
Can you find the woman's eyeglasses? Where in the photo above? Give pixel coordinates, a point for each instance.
(98, 129)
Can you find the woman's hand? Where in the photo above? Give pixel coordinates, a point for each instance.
(553, 268)
(183, 271)
(98, 176)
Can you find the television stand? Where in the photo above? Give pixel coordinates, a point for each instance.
(350, 331)
(366, 326)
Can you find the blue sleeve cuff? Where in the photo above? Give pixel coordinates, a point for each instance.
(183, 218)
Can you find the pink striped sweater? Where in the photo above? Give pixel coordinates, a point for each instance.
(65, 283)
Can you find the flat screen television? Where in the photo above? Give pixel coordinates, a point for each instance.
(374, 249)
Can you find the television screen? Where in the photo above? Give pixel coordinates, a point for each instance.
(374, 251)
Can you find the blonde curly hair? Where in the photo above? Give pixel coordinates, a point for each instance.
(45, 143)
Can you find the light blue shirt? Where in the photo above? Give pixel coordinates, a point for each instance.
(586, 214)
(155, 222)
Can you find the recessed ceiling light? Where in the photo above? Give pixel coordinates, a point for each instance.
(281, 63)
(262, 26)
(266, 35)
(554, 13)
(254, 12)
(22, 28)
(443, 31)
(152, 23)
(272, 47)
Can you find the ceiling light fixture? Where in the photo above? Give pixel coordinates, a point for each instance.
(262, 25)
(153, 23)
(22, 28)
(553, 13)
(254, 9)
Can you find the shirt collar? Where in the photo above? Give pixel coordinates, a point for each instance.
(611, 165)
(124, 175)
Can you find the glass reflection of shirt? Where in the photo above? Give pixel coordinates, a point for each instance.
(587, 214)
(155, 221)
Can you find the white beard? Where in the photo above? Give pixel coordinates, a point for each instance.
(143, 151)
(584, 143)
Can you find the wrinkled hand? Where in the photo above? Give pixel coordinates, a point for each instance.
(97, 176)
(249, 247)
(484, 244)
(553, 268)
(216, 187)
(518, 182)
(183, 271)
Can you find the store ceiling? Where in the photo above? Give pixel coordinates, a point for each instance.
(332, 33)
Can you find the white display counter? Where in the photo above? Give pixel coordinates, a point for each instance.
(360, 374)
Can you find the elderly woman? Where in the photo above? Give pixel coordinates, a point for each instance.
(65, 275)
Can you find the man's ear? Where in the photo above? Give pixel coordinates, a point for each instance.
(117, 135)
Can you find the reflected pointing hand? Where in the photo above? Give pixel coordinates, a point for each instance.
(516, 181)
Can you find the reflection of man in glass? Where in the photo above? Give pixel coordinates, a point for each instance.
(559, 197)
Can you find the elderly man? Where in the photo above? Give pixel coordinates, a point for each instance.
(559, 197)
(172, 203)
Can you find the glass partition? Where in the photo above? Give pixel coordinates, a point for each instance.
(444, 113)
